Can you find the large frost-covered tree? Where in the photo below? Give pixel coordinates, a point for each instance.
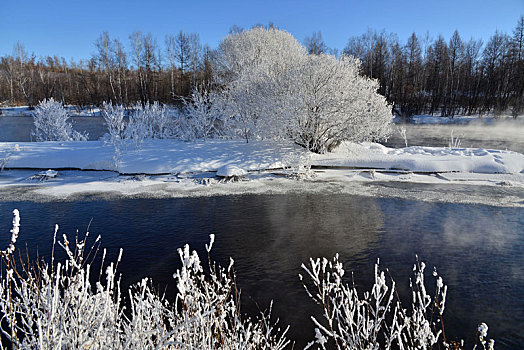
(252, 69)
(333, 103)
(271, 88)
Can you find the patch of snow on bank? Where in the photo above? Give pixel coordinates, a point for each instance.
(155, 156)
(231, 170)
(423, 159)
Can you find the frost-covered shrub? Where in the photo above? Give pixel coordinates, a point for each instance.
(376, 319)
(56, 305)
(253, 71)
(210, 316)
(50, 119)
(332, 103)
(202, 115)
(151, 121)
(114, 116)
(298, 165)
(6, 155)
(454, 142)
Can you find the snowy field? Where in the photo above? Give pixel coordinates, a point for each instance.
(172, 168)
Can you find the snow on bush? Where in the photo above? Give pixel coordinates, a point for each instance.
(150, 121)
(6, 154)
(333, 103)
(114, 118)
(376, 319)
(298, 165)
(271, 88)
(253, 71)
(50, 119)
(202, 115)
(57, 305)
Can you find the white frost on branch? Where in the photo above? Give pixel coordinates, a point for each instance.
(57, 306)
(271, 88)
(203, 117)
(50, 119)
(376, 319)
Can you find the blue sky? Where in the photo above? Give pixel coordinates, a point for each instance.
(69, 28)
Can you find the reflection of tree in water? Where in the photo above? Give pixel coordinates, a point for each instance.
(477, 250)
(270, 236)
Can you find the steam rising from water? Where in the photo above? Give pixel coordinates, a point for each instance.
(496, 135)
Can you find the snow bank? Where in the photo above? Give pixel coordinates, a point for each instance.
(155, 157)
(423, 159)
(84, 155)
(230, 170)
(173, 157)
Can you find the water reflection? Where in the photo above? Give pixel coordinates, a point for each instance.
(19, 129)
(479, 250)
(270, 238)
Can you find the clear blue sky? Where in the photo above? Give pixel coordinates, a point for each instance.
(69, 28)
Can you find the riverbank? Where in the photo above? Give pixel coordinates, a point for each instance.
(172, 168)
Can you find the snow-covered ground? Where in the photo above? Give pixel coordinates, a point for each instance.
(424, 159)
(176, 168)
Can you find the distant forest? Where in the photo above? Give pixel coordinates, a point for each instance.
(421, 75)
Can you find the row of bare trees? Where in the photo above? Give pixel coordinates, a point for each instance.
(145, 71)
(422, 75)
(446, 77)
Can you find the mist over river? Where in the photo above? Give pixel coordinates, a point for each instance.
(477, 249)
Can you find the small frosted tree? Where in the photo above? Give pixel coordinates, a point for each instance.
(150, 121)
(202, 114)
(160, 120)
(50, 119)
(114, 118)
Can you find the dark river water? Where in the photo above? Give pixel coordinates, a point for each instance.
(19, 129)
(479, 250)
